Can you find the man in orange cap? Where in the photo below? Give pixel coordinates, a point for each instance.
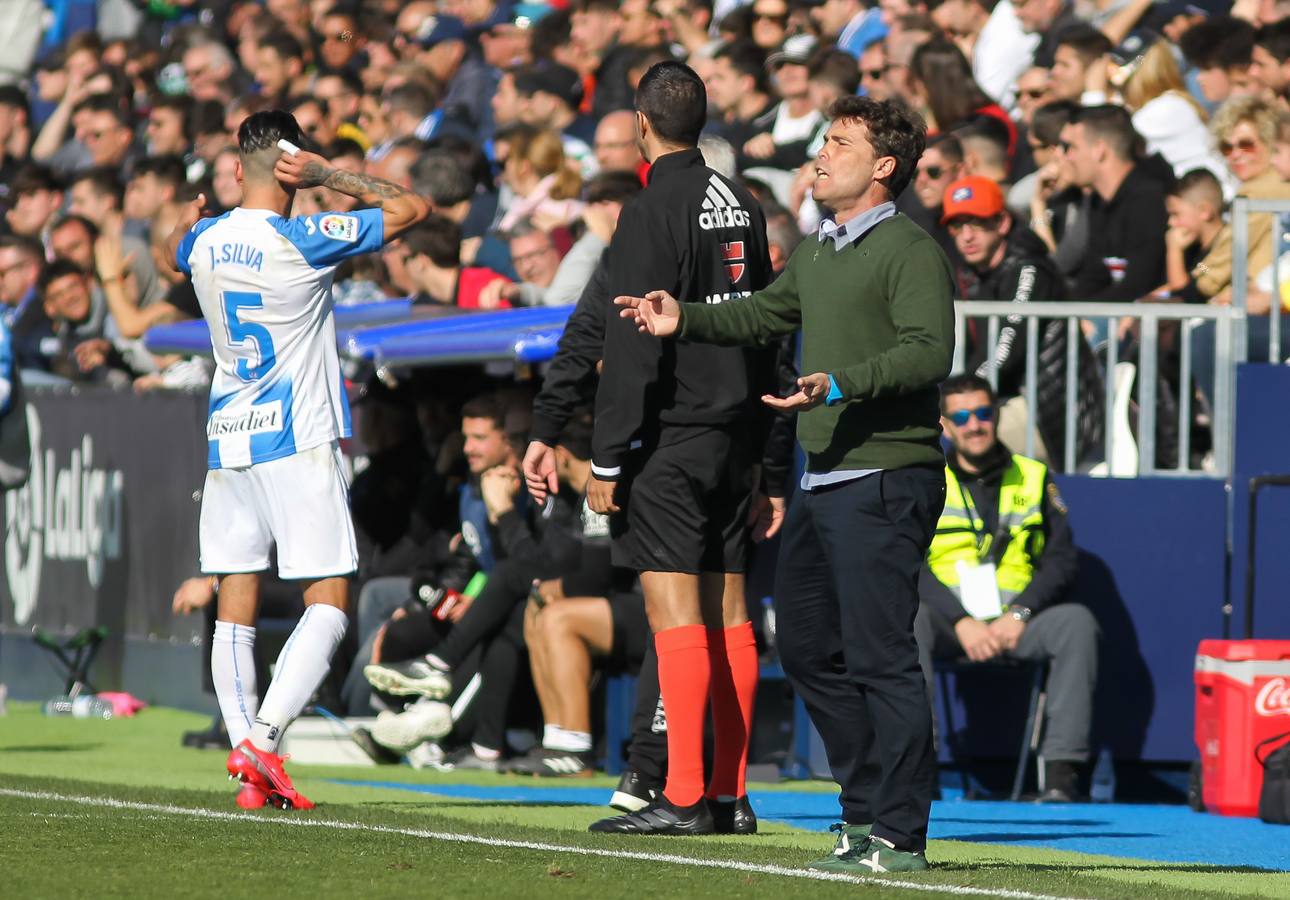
(1004, 261)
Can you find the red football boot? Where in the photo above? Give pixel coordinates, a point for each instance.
(264, 769)
(242, 766)
(251, 797)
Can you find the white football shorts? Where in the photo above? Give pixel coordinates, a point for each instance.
(299, 502)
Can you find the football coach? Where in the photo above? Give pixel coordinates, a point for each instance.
(873, 298)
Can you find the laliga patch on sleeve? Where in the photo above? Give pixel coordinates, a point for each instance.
(1055, 498)
(339, 228)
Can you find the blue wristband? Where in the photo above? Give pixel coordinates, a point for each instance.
(834, 395)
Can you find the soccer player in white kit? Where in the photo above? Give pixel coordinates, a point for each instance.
(277, 413)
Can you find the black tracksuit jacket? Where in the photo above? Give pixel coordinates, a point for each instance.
(701, 238)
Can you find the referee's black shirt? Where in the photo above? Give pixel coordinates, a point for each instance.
(701, 238)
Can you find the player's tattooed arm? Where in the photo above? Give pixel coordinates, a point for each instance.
(400, 207)
(368, 188)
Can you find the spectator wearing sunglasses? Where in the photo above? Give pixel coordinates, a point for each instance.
(940, 164)
(1245, 131)
(997, 574)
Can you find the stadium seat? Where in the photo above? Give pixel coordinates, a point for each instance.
(1038, 674)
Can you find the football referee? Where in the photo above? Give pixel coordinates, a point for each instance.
(679, 431)
(874, 301)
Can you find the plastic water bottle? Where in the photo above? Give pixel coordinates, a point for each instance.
(1102, 790)
(86, 706)
(768, 621)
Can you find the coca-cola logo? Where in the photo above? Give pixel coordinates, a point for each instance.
(1273, 698)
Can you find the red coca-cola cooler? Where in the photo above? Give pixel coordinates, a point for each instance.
(1242, 697)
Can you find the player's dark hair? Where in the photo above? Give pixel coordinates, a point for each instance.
(437, 238)
(967, 383)
(672, 97)
(893, 131)
(257, 141)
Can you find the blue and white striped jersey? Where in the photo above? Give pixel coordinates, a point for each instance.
(264, 285)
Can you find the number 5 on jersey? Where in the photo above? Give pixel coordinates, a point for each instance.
(248, 338)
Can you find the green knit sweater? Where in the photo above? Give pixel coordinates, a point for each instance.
(877, 315)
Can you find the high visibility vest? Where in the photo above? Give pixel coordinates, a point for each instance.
(961, 534)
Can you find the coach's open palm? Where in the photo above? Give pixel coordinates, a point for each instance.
(656, 313)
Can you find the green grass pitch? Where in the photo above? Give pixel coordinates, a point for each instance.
(117, 809)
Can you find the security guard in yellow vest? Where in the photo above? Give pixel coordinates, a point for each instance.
(997, 570)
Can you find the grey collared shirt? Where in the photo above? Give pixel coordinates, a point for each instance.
(855, 228)
(848, 232)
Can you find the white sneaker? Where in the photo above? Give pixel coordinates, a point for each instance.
(409, 678)
(425, 720)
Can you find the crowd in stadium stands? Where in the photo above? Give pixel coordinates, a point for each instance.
(1085, 150)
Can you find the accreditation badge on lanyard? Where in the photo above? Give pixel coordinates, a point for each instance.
(978, 581)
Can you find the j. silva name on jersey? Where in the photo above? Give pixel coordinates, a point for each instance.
(236, 255)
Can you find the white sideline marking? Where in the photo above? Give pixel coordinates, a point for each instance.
(453, 837)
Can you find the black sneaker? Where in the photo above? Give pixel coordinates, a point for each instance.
(1061, 782)
(733, 816)
(547, 763)
(635, 792)
(660, 817)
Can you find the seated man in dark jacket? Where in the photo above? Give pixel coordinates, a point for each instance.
(428, 652)
(997, 571)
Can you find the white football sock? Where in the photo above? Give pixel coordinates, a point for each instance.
(568, 741)
(233, 673)
(302, 666)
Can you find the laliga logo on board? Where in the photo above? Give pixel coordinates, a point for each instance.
(71, 513)
(1273, 699)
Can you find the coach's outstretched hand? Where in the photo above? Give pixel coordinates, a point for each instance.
(656, 313)
(539, 471)
(814, 389)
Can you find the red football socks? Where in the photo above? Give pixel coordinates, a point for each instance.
(733, 652)
(683, 674)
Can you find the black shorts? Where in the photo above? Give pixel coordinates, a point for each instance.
(631, 630)
(685, 503)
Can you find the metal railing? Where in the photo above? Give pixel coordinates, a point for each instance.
(1228, 323)
(1242, 209)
